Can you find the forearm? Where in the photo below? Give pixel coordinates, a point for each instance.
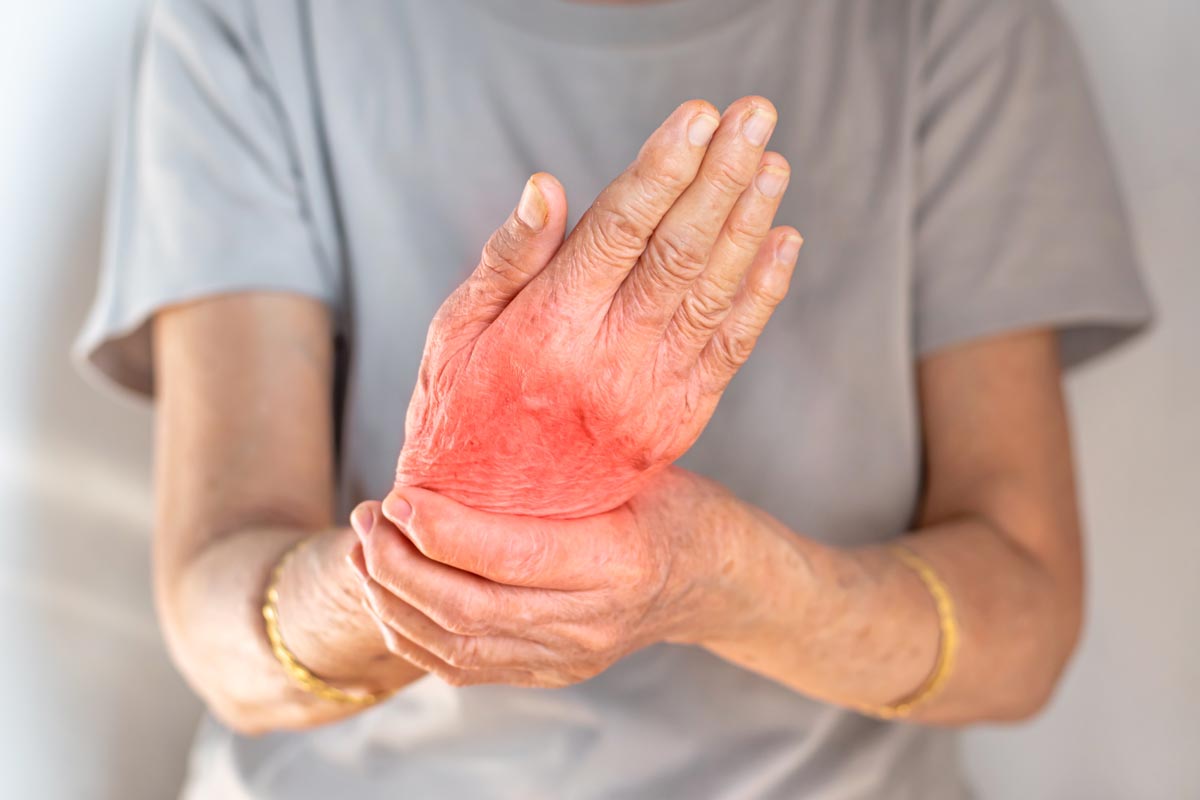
(859, 628)
(212, 613)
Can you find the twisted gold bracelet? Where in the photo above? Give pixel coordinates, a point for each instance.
(297, 672)
(947, 645)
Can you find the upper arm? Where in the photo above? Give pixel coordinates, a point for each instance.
(212, 192)
(997, 446)
(244, 425)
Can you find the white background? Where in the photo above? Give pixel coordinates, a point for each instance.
(91, 706)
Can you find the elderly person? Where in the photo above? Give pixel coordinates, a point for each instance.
(874, 540)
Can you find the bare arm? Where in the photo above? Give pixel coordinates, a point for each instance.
(685, 561)
(244, 439)
(245, 469)
(998, 523)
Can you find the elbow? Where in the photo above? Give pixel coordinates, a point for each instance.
(1047, 659)
(256, 717)
(197, 654)
(233, 712)
(236, 704)
(253, 720)
(258, 720)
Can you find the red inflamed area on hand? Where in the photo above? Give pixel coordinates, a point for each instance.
(563, 375)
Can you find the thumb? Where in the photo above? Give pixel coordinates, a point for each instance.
(518, 250)
(515, 550)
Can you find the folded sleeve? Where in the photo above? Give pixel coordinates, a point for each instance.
(1019, 221)
(206, 192)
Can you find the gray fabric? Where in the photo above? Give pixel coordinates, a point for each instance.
(950, 181)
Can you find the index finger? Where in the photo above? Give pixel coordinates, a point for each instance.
(569, 555)
(612, 234)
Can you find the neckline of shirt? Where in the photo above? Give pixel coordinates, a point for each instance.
(589, 23)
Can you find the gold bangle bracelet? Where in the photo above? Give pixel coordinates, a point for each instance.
(297, 672)
(947, 645)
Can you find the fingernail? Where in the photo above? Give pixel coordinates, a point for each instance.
(701, 129)
(758, 126)
(532, 209)
(362, 520)
(396, 508)
(788, 249)
(771, 180)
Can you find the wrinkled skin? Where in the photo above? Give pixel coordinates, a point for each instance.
(488, 598)
(562, 376)
(545, 412)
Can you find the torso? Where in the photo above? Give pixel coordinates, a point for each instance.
(431, 116)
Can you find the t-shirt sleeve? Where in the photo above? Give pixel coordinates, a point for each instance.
(206, 193)
(1019, 221)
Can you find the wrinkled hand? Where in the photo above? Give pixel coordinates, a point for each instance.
(560, 377)
(486, 598)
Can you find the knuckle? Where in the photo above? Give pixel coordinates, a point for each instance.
(667, 178)
(660, 170)
(460, 619)
(732, 350)
(768, 294)
(615, 234)
(499, 258)
(743, 234)
(727, 177)
(452, 619)
(675, 256)
(723, 284)
(703, 310)
(463, 653)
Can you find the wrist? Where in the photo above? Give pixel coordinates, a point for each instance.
(728, 568)
(764, 590)
(322, 620)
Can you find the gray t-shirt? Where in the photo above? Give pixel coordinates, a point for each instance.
(950, 181)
